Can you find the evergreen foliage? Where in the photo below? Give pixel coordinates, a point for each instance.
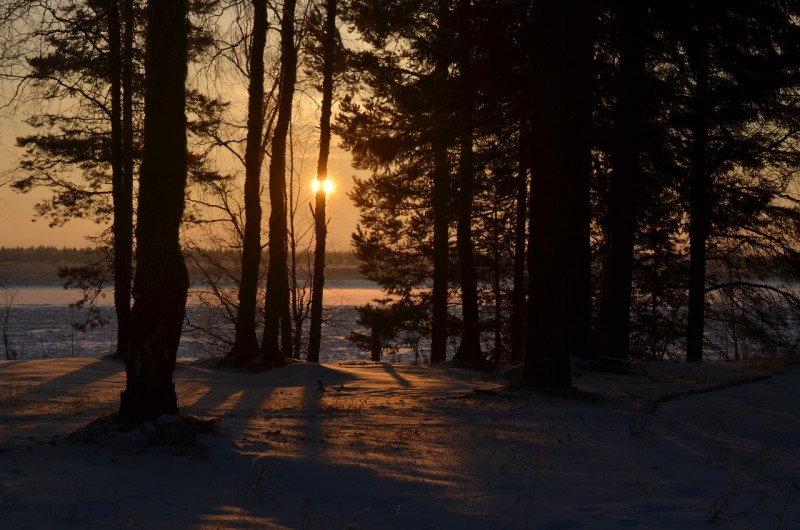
(493, 143)
(645, 129)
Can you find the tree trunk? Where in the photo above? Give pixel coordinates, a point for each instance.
(559, 316)
(626, 183)
(441, 252)
(375, 342)
(469, 350)
(245, 347)
(518, 306)
(320, 222)
(277, 325)
(496, 284)
(122, 238)
(440, 201)
(161, 278)
(520, 233)
(123, 235)
(699, 187)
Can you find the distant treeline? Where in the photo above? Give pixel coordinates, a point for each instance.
(41, 263)
(47, 253)
(338, 265)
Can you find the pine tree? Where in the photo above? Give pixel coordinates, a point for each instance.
(627, 180)
(277, 340)
(730, 107)
(469, 349)
(161, 280)
(320, 221)
(401, 128)
(245, 347)
(559, 320)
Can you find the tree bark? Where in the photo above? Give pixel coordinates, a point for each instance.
(469, 350)
(441, 252)
(520, 234)
(699, 187)
(496, 283)
(277, 325)
(518, 306)
(440, 204)
(626, 184)
(119, 184)
(559, 316)
(320, 221)
(123, 222)
(161, 280)
(245, 347)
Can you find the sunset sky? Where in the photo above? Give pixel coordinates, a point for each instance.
(17, 213)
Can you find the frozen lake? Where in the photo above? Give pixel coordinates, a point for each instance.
(37, 322)
(337, 293)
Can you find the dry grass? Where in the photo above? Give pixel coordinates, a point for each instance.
(13, 394)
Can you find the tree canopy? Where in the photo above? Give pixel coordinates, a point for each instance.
(536, 180)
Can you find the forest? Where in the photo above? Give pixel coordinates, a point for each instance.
(544, 181)
(50, 263)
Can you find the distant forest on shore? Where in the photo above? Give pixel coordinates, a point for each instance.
(42, 263)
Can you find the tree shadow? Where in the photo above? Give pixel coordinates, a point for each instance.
(34, 403)
(402, 381)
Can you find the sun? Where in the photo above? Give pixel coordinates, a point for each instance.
(327, 186)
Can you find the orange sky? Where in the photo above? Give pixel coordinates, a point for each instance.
(16, 210)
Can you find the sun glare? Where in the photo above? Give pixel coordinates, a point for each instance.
(327, 186)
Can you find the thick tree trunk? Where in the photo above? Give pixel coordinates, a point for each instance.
(320, 222)
(161, 279)
(277, 325)
(245, 347)
(469, 350)
(559, 316)
(699, 188)
(626, 183)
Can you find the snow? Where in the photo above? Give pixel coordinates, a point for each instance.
(40, 322)
(378, 445)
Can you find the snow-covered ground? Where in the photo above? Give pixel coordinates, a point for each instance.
(377, 445)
